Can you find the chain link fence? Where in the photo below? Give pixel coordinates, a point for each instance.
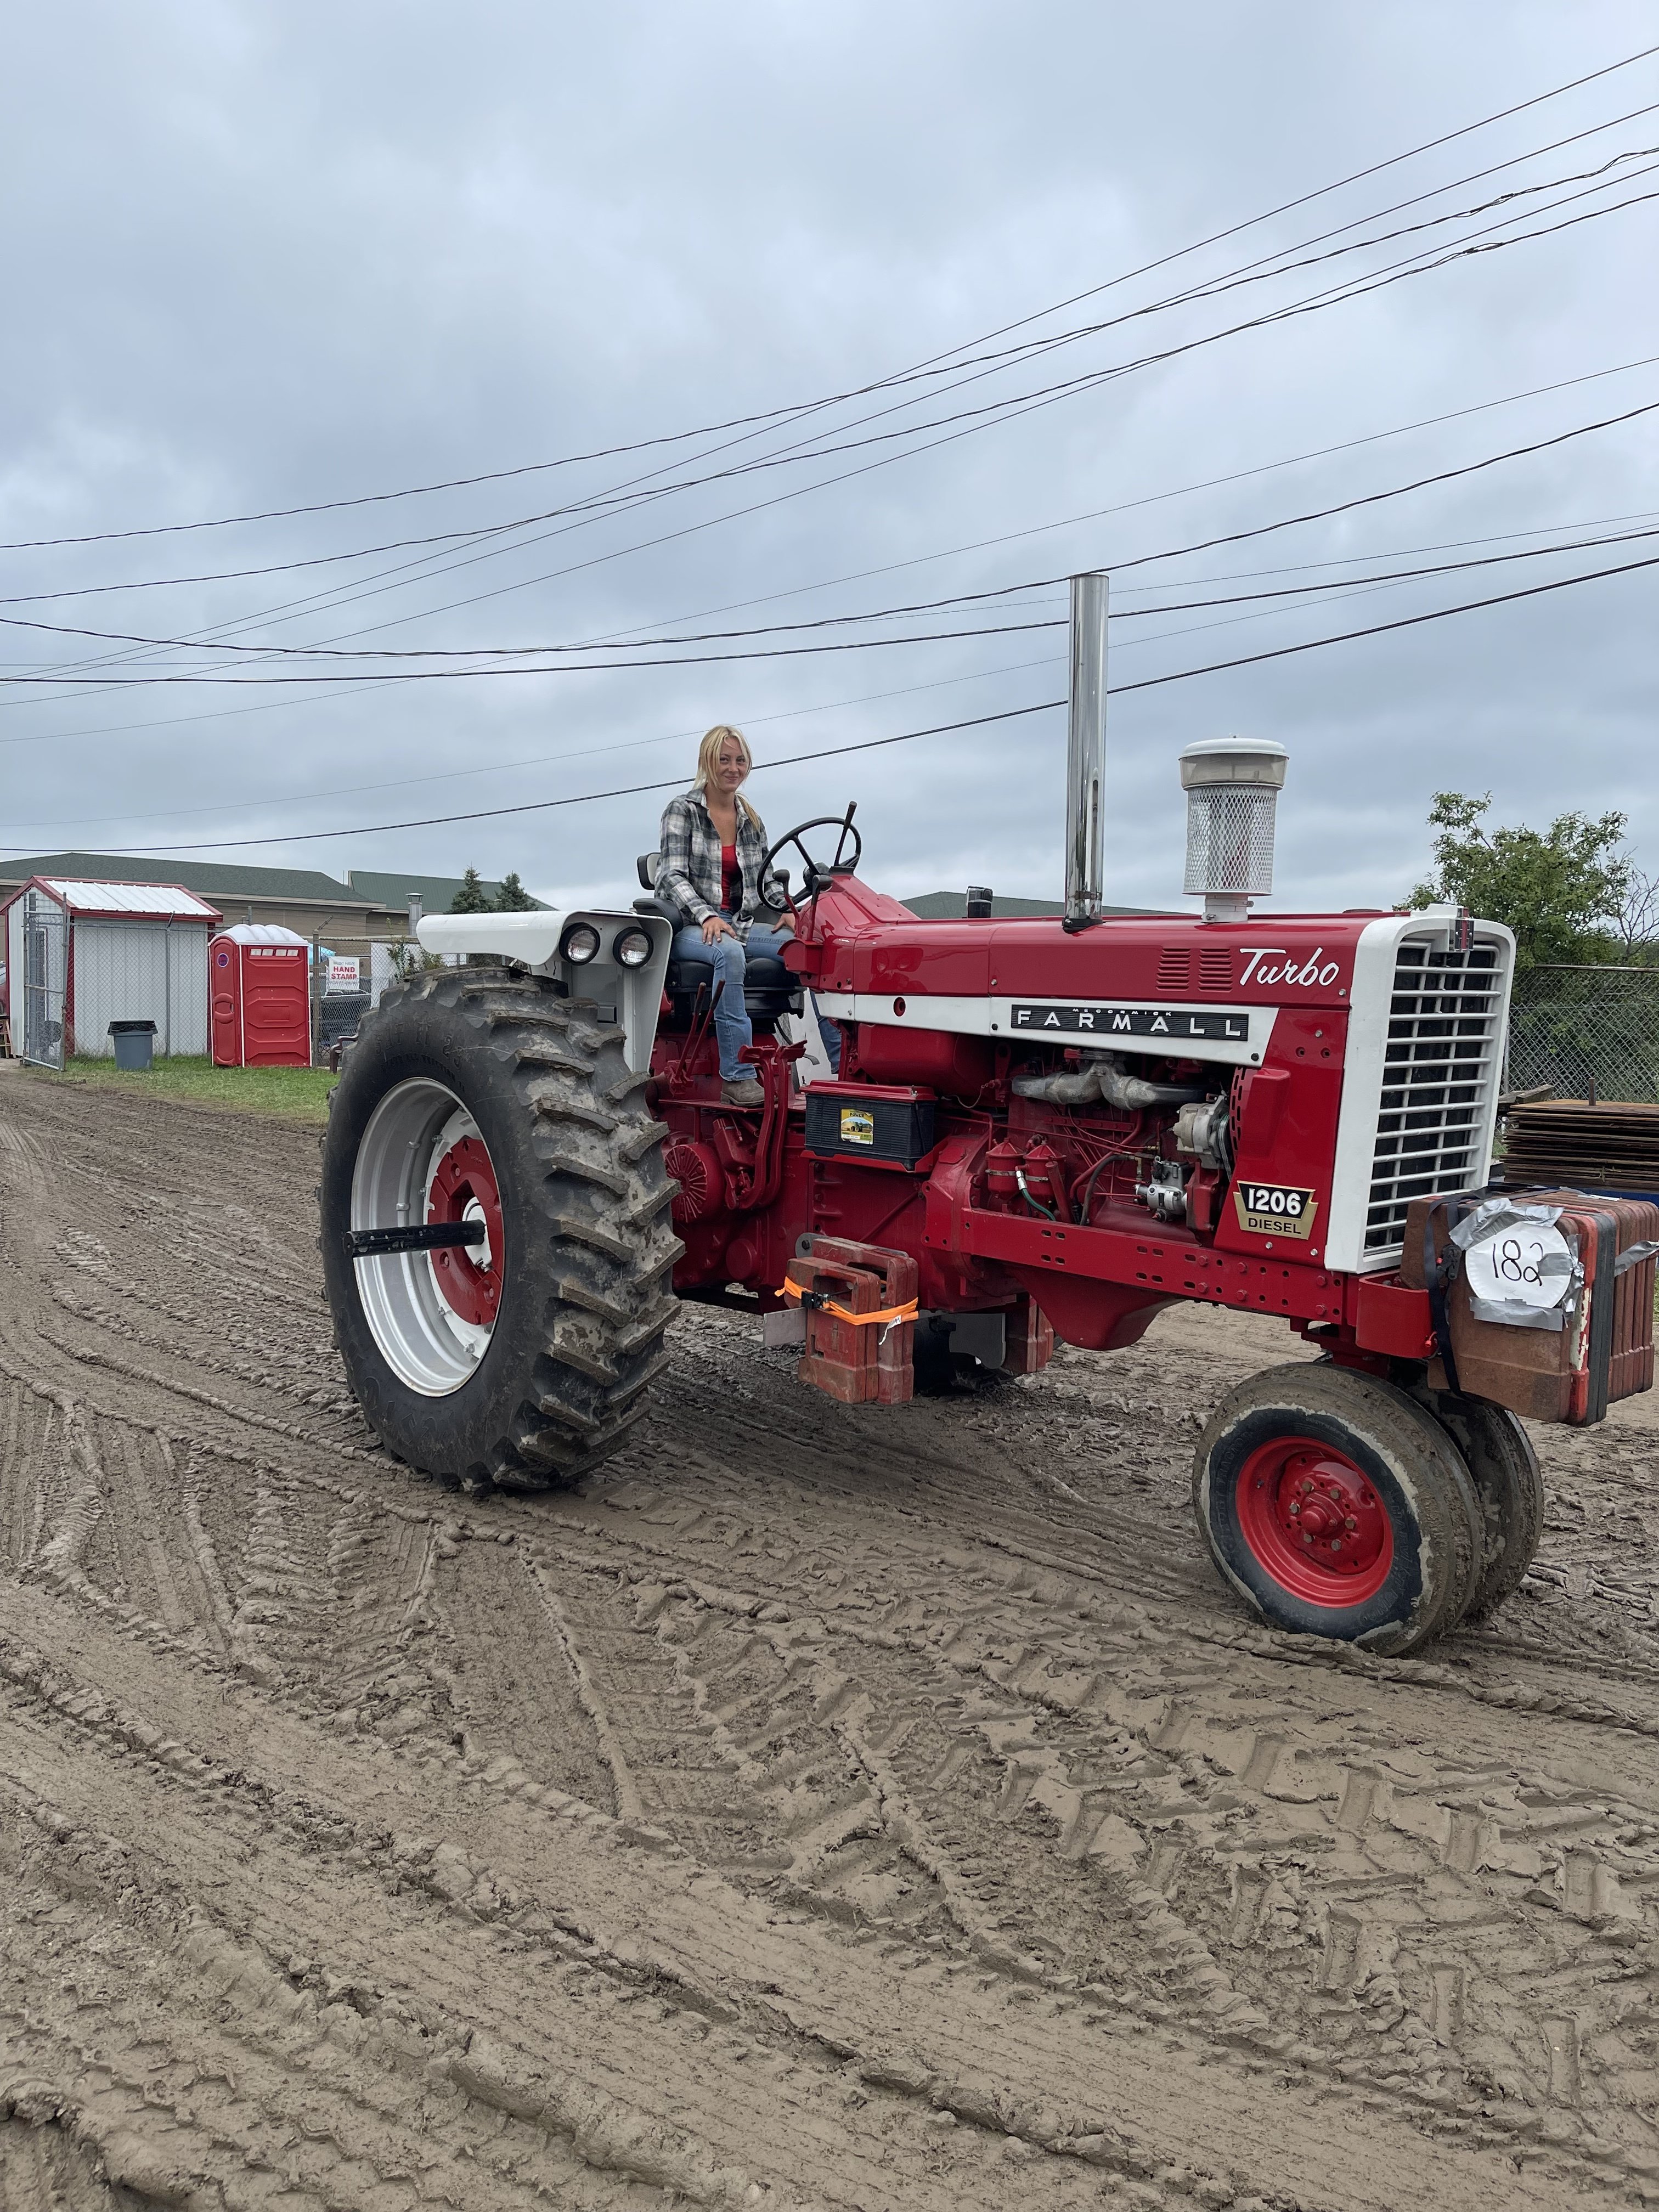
(1586, 1033)
(339, 1008)
(39, 992)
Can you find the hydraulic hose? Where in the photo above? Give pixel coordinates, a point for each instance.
(1036, 1204)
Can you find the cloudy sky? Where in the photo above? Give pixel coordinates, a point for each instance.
(263, 257)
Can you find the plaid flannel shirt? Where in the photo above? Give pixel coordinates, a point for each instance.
(689, 864)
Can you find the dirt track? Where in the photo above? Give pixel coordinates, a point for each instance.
(825, 1808)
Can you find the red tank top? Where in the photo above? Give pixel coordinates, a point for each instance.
(731, 879)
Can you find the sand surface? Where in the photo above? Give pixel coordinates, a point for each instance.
(826, 1807)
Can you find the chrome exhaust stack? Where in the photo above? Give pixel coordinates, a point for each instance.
(1085, 753)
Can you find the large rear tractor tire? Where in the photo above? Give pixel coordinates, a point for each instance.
(1509, 1487)
(1335, 1505)
(478, 1096)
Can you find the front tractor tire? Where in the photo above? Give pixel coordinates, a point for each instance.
(1507, 1487)
(521, 1359)
(1335, 1505)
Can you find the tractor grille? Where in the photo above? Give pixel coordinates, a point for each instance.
(1440, 1068)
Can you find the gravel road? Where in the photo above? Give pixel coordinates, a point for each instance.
(826, 1807)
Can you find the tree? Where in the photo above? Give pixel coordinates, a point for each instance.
(512, 897)
(1637, 922)
(1561, 889)
(472, 897)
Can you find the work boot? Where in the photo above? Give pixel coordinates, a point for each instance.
(744, 1091)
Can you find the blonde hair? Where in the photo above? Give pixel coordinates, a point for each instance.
(708, 754)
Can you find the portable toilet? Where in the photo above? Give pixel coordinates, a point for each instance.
(260, 979)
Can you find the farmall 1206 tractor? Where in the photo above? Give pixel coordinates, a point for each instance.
(1039, 1128)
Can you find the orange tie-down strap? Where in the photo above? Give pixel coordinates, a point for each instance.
(906, 1312)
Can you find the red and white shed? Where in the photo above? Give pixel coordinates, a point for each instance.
(261, 988)
(81, 954)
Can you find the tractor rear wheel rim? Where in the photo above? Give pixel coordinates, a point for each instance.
(1315, 1522)
(462, 1188)
(423, 1158)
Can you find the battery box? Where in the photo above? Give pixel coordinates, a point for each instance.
(890, 1122)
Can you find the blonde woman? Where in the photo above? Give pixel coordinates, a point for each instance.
(712, 845)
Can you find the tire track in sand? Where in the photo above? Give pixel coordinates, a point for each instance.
(292, 1849)
(964, 1804)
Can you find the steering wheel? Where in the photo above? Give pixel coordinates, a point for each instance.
(816, 873)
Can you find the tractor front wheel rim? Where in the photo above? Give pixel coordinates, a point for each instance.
(1315, 1522)
(423, 1160)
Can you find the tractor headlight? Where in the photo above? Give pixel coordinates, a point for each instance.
(633, 947)
(579, 943)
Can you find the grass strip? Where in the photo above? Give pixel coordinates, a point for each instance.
(292, 1094)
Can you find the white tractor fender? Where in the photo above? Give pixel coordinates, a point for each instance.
(532, 937)
(630, 997)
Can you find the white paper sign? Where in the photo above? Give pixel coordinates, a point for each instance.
(1527, 1263)
(343, 973)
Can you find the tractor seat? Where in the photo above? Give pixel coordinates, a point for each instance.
(770, 989)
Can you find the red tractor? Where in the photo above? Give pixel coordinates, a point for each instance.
(1040, 1129)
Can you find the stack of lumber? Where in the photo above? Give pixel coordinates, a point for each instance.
(1565, 1144)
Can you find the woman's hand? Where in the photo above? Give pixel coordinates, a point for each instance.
(784, 925)
(715, 927)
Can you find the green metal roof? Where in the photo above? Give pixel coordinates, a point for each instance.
(213, 879)
(436, 893)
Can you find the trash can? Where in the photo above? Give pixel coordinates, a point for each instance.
(135, 1044)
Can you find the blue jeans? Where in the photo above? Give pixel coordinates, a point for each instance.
(733, 1029)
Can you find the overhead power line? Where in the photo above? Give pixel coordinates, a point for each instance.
(1125, 507)
(906, 737)
(1336, 586)
(1326, 584)
(1390, 553)
(1394, 491)
(1150, 499)
(809, 450)
(380, 654)
(1209, 289)
(972, 420)
(1065, 522)
(1356, 176)
(1285, 207)
(544, 760)
(586, 798)
(1384, 576)
(627, 498)
(966, 423)
(1401, 622)
(1329, 590)
(380, 675)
